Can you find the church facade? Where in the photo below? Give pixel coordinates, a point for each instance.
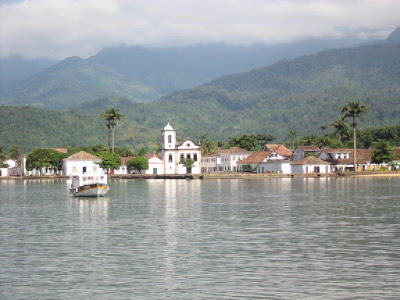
(173, 152)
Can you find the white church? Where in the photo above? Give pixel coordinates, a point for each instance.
(168, 161)
(172, 152)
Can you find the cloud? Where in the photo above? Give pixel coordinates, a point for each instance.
(57, 29)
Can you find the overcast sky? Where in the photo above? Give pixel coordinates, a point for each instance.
(62, 28)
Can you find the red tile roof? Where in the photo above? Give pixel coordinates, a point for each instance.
(309, 148)
(82, 155)
(311, 160)
(279, 149)
(363, 156)
(255, 158)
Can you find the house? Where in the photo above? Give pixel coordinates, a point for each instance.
(267, 162)
(156, 165)
(210, 162)
(342, 159)
(223, 160)
(172, 152)
(82, 163)
(310, 164)
(22, 171)
(304, 151)
(280, 150)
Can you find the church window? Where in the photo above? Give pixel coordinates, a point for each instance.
(170, 158)
(182, 155)
(195, 157)
(169, 139)
(188, 155)
(187, 145)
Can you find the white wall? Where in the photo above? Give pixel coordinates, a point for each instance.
(76, 167)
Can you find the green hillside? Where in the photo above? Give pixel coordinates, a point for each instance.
(32, 127)
(302, 94)
(72, 82)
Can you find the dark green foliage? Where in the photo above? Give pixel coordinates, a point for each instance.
(209, 146)
(188, 163)
(142, 151)
(111, 115)
(3, 155)
(124, 152)
(109, 160)
(247, 142)
(44, 158)
(138, 163)
(391, 134)
(16, 153)
(383, 153)
(31, 128)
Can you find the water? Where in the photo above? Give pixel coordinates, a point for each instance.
(296, 238)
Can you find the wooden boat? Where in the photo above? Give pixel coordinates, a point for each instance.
(89, 186)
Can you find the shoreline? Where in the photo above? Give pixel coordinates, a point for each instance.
(224, 175)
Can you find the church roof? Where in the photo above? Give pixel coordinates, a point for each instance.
(168, 127)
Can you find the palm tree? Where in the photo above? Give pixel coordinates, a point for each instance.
(354, 110)
(341, 129)
(111, 115)
(292, 134)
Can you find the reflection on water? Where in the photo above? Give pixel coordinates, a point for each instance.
(289, 238)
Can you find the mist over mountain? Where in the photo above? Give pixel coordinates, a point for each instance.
(146, 74)
(394, 37)
(14, 67)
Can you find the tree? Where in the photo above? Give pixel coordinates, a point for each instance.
(263, 139)
(341, 129)
(188, 163)
(383, 152)
(142, 151)
(292, 134)
(112, 115)
(16, 153)
(44, 159)
(109, 160)
(209, 146)
(247, 142)
(354, 110)
(139, 163)
(124, 152)
(3, 155)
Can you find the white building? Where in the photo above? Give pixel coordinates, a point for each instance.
(156, 165)
(304, 151)
(172, 152)
(82, 163)
(265, 162)
(223, 160)
(311, 164)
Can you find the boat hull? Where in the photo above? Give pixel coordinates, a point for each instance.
(91, 190)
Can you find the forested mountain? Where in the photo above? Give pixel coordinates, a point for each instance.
(14, 67)
(72, 82)
(145, 74)
(31, 127)
(299, 95)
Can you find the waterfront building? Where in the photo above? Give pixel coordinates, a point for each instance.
(82, 163)
(223, 160)
(172, 152)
